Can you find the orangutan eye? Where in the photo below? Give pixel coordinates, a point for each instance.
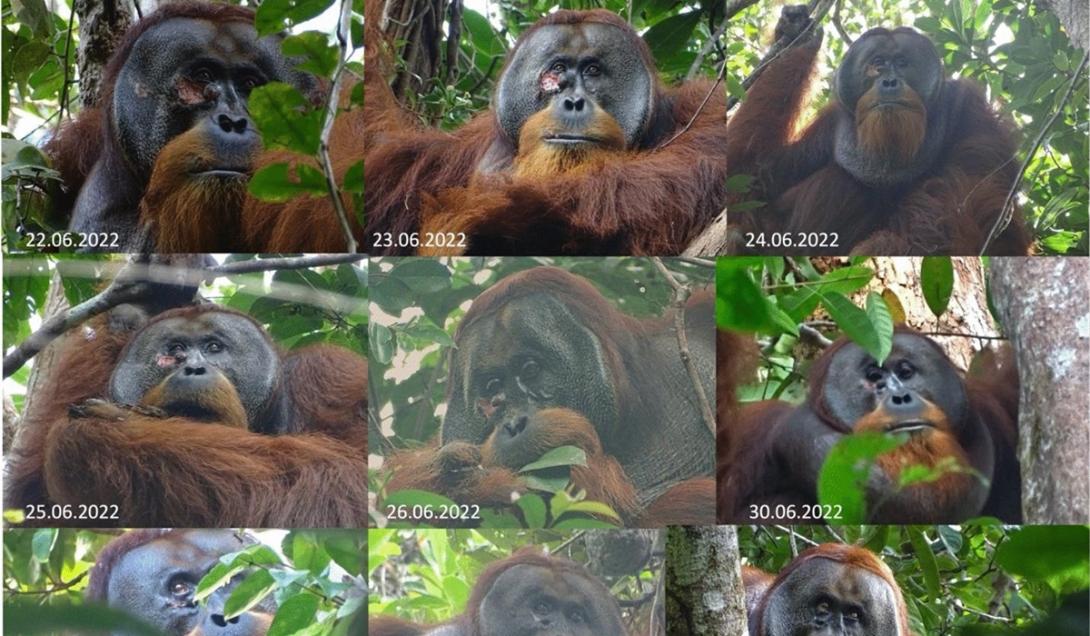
(180, 588)
(905, 370)
(530, 370)
(494, 386)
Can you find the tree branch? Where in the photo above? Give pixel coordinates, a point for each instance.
(1008, 205)
(344, 40)
(681, 296)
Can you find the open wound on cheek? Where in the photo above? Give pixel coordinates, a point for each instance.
(549, 82)
(190, 92)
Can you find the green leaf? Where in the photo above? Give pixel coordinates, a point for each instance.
(34, 14)
(739, 303)
(422, 275)
(937, 282)
(845, 471)
(879, 315)
(18, 155)
(252, 590)
(345, 547)
(854, 322)
(533, 510)
(668, 38)
(286, 118)
(739, 183)
(319, 56)
(547, 481)
(801, 302)
(559, 456)
(421, 330)
(274, 16)
(274, 183)
(382, 342)
(217, 577)
(42, 544)
(306, 554)
(1055, 554)
(353, 178)
(925, 559)
(294, 614)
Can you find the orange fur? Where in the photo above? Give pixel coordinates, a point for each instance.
(537, 159)
(221, 399)
(185, 210)
(177, 472)
(891, 132)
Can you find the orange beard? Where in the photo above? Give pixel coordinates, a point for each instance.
(220, 400)
(188, 211)
(893, 132)
(927, 449)
(539, 159)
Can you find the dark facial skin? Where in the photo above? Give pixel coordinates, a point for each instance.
(827, 598)
(189, 352)
(156, 583)
(575, 69)
(914, 371)
(532, 354)
(186, 72)
(529, 600)
(895, 60)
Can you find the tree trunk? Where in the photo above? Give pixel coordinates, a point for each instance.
(101, 25)
(1042, 303)
(415, 27)
(704, 592)
(1074, 15)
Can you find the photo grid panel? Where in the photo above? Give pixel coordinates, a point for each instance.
(724, 318)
